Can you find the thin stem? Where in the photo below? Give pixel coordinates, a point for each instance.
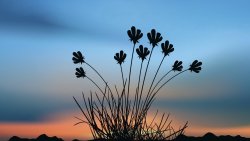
(137, 90)
(95, 85)
(150, 97)
(156, 74)
(131, 63)
(103, 81)
(138, 86)
(146, 70)
(167, 82)
(122, 76)
(81, 109)
(143, 111)
(160, 81)
(99, 76)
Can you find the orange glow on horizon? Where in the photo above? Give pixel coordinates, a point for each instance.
(62, 127)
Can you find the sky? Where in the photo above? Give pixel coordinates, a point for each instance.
(37, 79)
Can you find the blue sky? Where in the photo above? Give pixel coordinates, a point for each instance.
(37, 39)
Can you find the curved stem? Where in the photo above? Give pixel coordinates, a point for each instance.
(149, 94)
(95, 84)
(160, 81)
(167, 82)
(156, 74)
(99, 76)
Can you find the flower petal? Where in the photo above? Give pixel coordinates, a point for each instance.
(130, 35)
(153, 33)
(133, 30)
(149, 38)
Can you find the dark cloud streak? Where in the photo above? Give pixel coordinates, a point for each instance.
(220, 112)
(24, 107)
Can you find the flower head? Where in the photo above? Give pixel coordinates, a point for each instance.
(142, 52)
(154, 38)
(195, 66)
(120, 57)
(177, 66)
(167, 48)
(134, 34)
(80, 72)
(78, 57)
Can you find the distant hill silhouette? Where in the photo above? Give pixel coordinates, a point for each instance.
(206, 137)
(211, 137)
(42, 137)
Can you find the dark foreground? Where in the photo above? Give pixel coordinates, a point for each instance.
(212, 137)
(42, 137)
(206, 137)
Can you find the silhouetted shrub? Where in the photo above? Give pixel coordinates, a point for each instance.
(113, 115)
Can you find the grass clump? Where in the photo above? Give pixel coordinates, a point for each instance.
(113, 114)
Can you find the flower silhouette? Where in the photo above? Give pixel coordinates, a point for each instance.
(120, 57)
(167, 48)
(78, 57)
(195, 66)
(142, 52)
(134, 34)
(80, 72)
(177, 66)
(154, 37)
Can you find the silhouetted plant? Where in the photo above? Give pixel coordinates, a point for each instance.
(80, 72)
(142, 52)
(154, 38)
(135, 35)
(78, 57)
(195, 66)
(167, 48)
(113, 115)
(120, 57)
(177, 66)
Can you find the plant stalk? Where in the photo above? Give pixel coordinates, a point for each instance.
(156, 74)
(146, 70)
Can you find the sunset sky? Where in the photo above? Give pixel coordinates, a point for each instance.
(37, 80)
